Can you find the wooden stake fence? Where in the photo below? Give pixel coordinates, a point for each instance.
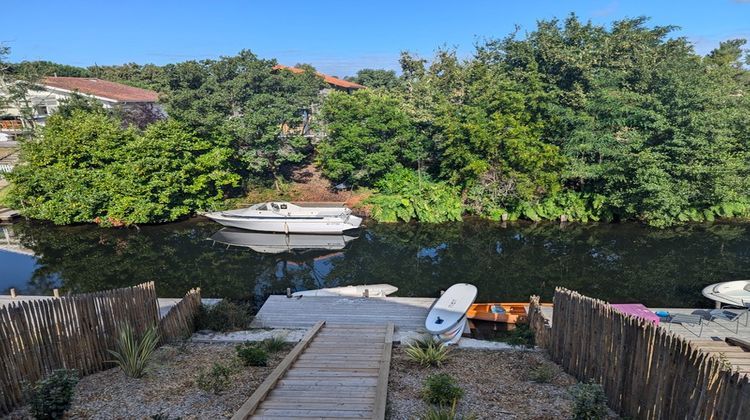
(75, 332)
(179, 322)
(646, 371)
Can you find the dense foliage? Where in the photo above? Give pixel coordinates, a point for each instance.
(571, 120)
(86, 167)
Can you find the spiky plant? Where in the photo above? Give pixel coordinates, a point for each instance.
(133, 355)
(274, 344)
(428, 353)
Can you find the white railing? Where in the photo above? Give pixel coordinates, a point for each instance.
(5, 168)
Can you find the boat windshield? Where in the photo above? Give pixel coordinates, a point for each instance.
(262, 207)
(275, 206)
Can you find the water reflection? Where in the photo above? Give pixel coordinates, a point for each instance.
(276, 243)
(620, 263)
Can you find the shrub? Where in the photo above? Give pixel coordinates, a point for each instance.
(428, 352)
(405, 194)
(223, 316)
(252, 354)
(590, 403)
(214, 380)
(133, 356)
(441, 389)
(543, 373)
(51, 397)
(521, 336)
(274, 344)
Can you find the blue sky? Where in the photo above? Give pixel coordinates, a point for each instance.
(338, 37)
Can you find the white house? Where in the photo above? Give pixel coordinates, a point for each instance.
(139, 104)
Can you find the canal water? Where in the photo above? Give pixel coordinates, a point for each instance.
(615, 262)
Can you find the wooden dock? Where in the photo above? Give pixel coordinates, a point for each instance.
(335, 371)
(404, 312)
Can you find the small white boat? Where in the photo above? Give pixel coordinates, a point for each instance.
(285, 217)
(735, 293)
(371, 290)
(276, 243)
(447, 317)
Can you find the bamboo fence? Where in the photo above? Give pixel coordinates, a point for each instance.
(75, 332)
(179, 322)
(646, 371)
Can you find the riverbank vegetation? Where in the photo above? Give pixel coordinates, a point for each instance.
(570, 120)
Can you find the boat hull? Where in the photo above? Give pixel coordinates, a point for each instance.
(373, 290)
(735, 293)
(323, 225)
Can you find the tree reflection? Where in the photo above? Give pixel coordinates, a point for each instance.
(619, 263)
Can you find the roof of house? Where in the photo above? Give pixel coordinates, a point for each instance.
(102, 88)
(335, 81)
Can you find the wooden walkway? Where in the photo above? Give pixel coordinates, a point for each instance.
(335, 371)
(405, 313)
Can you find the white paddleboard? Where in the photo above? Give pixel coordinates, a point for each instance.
(373, 290)
(450, 309)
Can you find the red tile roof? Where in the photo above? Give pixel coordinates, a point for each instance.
(328, 79)
(102, 88)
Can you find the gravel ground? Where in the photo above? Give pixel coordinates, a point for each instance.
(496, 385)
(169, 387)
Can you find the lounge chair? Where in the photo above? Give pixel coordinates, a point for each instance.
(729, 316)
(686, 319)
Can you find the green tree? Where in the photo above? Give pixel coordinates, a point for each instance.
(368, 135)
(243, 101)
(84, 167)
(376, 78)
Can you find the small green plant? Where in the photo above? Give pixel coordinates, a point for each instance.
(132, 355)
(51, 397)
(724, 362)
(215, 379)
(223, 316)
(543, 373)
(590, 402)
(521, 336)
(251, 354)
(445, 413)
(274, 344)
(441, 389)
(428, 351)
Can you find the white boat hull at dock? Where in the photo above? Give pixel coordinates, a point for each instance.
(364, 290)
(289, 218)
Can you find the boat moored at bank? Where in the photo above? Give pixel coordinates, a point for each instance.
(283, 217)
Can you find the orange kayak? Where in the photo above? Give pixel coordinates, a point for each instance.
(508, 313)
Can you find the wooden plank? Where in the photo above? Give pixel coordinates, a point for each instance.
(385, 364)
(318, 405)
(247, 409)
(361, 414)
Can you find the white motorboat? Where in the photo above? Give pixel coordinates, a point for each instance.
(447, 317)
(275, 243)
(370, 290)
(735, 293)
(288, 218)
